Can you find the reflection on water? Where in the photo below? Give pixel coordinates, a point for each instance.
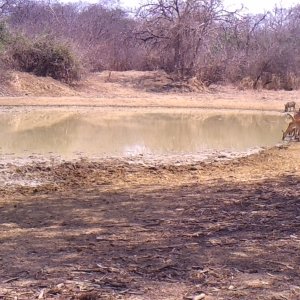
(140, 133)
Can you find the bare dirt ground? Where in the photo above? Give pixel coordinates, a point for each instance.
(119, 229)
(134, 89)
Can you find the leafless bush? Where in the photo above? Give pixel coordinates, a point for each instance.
(102, 35)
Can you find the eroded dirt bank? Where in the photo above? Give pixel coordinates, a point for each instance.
(137, 89)
(121, 230)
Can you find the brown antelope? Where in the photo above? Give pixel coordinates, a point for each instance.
(293, 130)
(295, 117)
(289, 105)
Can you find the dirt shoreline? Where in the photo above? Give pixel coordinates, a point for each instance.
(117, 229)
(231, 100)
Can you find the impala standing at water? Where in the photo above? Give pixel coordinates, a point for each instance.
(293, 130)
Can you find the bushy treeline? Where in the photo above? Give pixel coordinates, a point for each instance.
(186, 38)
(42, 55)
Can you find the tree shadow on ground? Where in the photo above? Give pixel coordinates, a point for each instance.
(230, 240)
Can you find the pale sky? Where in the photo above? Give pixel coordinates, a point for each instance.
(258, 6)
(251, 6)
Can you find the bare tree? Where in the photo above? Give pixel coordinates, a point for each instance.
(180, 30)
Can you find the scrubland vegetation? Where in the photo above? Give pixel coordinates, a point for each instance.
(77, 221)
(186, 38)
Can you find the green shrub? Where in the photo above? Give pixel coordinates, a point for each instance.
(45, 57)
(4, 35)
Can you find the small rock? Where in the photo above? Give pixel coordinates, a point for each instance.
(88, 296)
(193, 168)
(199, 297)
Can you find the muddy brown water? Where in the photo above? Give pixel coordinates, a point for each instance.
(65, 133)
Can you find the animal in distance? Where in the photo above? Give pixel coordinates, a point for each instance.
(289, 106)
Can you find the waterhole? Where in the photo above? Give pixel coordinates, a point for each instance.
(101, 134)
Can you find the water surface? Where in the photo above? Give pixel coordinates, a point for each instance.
(140, 133)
